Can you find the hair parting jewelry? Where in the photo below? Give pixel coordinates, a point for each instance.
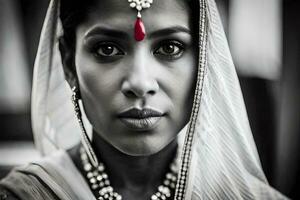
(139, 28)
(84, 136)
(186, 156)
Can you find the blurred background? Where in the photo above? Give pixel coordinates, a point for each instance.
(264, 37)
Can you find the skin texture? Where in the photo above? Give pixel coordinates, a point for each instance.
(114, 73)
(140, 78)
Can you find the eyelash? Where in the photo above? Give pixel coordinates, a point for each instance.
(99, 46)
(117, 51)
(172, 56)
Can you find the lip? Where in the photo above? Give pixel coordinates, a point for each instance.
(140, 119)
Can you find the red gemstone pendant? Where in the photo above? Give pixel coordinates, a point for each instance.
(139, 30)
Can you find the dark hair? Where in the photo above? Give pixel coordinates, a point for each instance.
(74, 12)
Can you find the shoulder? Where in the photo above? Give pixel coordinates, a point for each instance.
(40, 179)
(21, 184)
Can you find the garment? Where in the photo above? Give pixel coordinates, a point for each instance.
(54, 177)
(224, 163)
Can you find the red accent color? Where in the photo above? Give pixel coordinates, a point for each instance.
(139, 30)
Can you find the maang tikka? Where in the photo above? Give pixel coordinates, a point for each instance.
(139, 28)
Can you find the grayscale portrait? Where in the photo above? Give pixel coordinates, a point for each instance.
(141, 100)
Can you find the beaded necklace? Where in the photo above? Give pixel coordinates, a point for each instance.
(99, 180)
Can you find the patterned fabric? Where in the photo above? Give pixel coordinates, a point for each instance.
(24, 185)
(54, 177)
(228, 165)
(225, 162)
(6, 194)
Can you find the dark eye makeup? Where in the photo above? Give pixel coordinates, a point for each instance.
(106, 51)
(169, 49)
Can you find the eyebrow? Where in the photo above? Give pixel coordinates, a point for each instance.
(169, 31)
(111, 32)
(102, 30)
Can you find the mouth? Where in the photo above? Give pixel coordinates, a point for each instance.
(140, 120)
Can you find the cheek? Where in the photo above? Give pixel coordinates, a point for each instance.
(181, 83)
(182, 88)
(97, 89)
(95, 79)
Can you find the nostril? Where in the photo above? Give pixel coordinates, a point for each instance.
(129, 94)
(151, 92)
(139, 89)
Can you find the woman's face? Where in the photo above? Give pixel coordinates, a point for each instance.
(137, 95)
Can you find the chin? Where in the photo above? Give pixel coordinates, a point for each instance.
(142, 148)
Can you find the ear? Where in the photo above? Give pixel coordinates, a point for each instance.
(68, 61)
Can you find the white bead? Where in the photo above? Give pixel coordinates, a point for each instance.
(104, 176)
(167, 182)
(90, 175)
(99, 178)
(161, 188)
(109, 189)
(100, 167)
(172, 185)
(132, 5)
(169, 176)
(102, 192)
(139, 7)
(154, 197)
(95, 173)
(94, 186)
(93, 180)
(119, 198)
(174, 178)
(87, 167)
(166, 190)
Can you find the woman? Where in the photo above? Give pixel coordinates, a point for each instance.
(159, 90)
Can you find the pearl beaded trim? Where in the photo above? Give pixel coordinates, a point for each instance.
(139, 5)
(99, 180)
(186, 156)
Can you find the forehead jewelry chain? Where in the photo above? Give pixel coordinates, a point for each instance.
(139, 28)
(99, 180)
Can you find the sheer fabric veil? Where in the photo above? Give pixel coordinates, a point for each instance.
(225, 162)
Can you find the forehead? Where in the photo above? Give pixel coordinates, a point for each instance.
(118, 14)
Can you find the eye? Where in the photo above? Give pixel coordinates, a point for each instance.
(105, 49)
(170, 49)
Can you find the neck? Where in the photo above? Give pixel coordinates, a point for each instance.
(134, 173)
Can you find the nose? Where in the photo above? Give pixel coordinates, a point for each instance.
(140, 79)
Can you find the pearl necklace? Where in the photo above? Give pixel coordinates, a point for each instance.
(99, 180)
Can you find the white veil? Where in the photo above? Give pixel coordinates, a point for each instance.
(225, 163)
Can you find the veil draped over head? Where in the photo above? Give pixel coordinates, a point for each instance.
(224, 162)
